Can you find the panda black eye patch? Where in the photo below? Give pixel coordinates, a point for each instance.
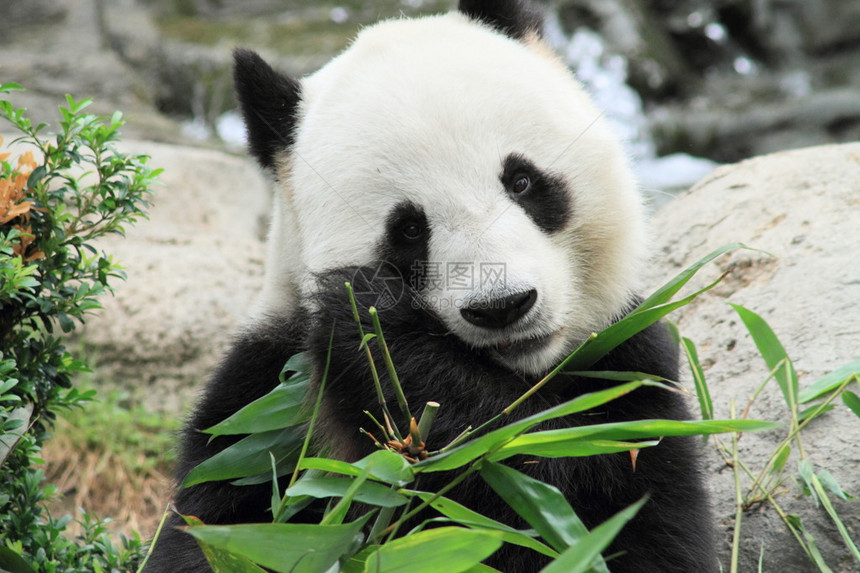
(407, 235)
(543, 196)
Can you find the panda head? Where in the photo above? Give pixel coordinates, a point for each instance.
(457, 148)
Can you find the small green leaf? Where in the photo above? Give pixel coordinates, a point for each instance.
(355, 564)
(7, 385)
(220, 560)
(807, 412)
(448, 549)
(382, 465)
(820, 495)
(66, 322)
(365, 339)
(851, 400)
(299, 363)
(781, 459)
(387, 466)
(11, 562)
(618, 376)
(809, 543)
(36, 176)
(829, 482)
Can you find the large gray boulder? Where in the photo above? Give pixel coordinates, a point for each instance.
(193, 270)
(803, 207)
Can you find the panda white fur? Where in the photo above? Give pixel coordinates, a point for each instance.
(452, 140)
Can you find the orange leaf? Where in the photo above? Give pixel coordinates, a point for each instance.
(27, 160)
(14, 211)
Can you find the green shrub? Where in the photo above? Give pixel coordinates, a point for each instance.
(60, 194)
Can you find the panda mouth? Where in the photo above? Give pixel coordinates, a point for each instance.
(510, 348)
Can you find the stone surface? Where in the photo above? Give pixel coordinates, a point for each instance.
(802, 207)
(193, 269)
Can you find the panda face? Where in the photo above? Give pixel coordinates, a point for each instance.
(476, 165)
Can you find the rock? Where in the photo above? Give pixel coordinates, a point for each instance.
(19, 18)
(803, 207)
(62, 50)
(193, 270)
(809, 26)
(730, 131)
(629, 29)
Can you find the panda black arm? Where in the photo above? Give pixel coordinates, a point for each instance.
(249, 371)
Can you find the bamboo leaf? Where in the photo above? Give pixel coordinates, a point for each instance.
(668, 290)
(807, 412)
(851, 400)
(772, 352)
(249, 457)
(809, 545)
(368, 492)
(821, 495)
(830, 381)
(222, 561)
(619, 376)
(283, 547)
(781, 459)
(448, 549)
(280, 408)
(541, 505)
(387, 466)
(578, 558)
(365, 339)
(596, 347)
(472, 449)
(465, 516)
(702, 392)
(559, 446)
(633, 430)
(299, 364)
(383, 465)
(356, 563)
(830, 483)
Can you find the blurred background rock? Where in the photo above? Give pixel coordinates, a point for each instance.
(719, 80)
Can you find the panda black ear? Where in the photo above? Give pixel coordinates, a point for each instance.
(515, 18)
(269, 102)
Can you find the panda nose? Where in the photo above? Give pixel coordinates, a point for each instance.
(499, 312)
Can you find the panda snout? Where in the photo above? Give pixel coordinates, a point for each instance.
(499, 312)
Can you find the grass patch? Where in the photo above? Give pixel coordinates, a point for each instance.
(112, 458)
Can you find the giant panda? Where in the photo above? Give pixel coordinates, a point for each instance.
(449, 142)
